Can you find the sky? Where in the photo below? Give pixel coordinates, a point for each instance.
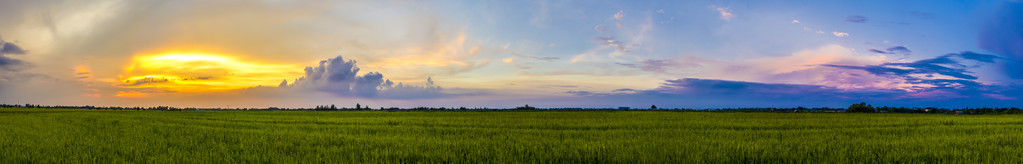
(500, 54)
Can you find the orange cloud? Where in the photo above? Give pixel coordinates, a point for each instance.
(199, 72)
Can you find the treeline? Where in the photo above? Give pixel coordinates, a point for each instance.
(867, 108)
(854, 108)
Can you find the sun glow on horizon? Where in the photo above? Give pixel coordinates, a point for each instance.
(166, 73)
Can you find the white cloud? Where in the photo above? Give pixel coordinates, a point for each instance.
(840, 34)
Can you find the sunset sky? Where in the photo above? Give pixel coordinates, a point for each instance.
(393, 53)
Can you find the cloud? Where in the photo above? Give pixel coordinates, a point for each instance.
(602, 29)
(402, 91)
(726, 14)
(10, 48)
(921, 15)
(340, 78)
(898, 49)
(710, 87)
(549, 59)
(894, 50)
(623, 90)
(447, 56)
(610, 41)
(697, 92)
(1003, 35)
(946, 71)
(367, 85)
(856, 19)
(144, 81)
(657, 65)
(618, 17)
(839, 34)
(582, 93)
(7, 63)
(334, 75)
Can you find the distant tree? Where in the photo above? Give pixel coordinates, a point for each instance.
(653, 106)
(332, 107)
(861, 107)
(358, 106)
(527, 107)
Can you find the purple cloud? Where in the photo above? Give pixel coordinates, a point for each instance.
(656, 65)
(10, 64)
(856, 19)
(549, 59)
(913, 72)
(695, 92)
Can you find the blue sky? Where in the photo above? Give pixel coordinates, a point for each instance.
(685, 54)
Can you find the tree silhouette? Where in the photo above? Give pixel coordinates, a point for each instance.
(653, 106)
(861, 107)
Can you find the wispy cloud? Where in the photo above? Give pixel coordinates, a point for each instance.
(840, 34)
(726, 13)
(855, 19)
(946, 71)
(657, 65)
(610, 41)
(549, 59)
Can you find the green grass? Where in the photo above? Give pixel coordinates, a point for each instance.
(99, 136)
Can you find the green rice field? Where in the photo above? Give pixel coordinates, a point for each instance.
(107, 136)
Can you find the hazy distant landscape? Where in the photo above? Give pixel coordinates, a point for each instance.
(115, 136)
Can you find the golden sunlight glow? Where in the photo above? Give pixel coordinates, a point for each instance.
(198, 72)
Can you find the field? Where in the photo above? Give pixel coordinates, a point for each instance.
(102, 136)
